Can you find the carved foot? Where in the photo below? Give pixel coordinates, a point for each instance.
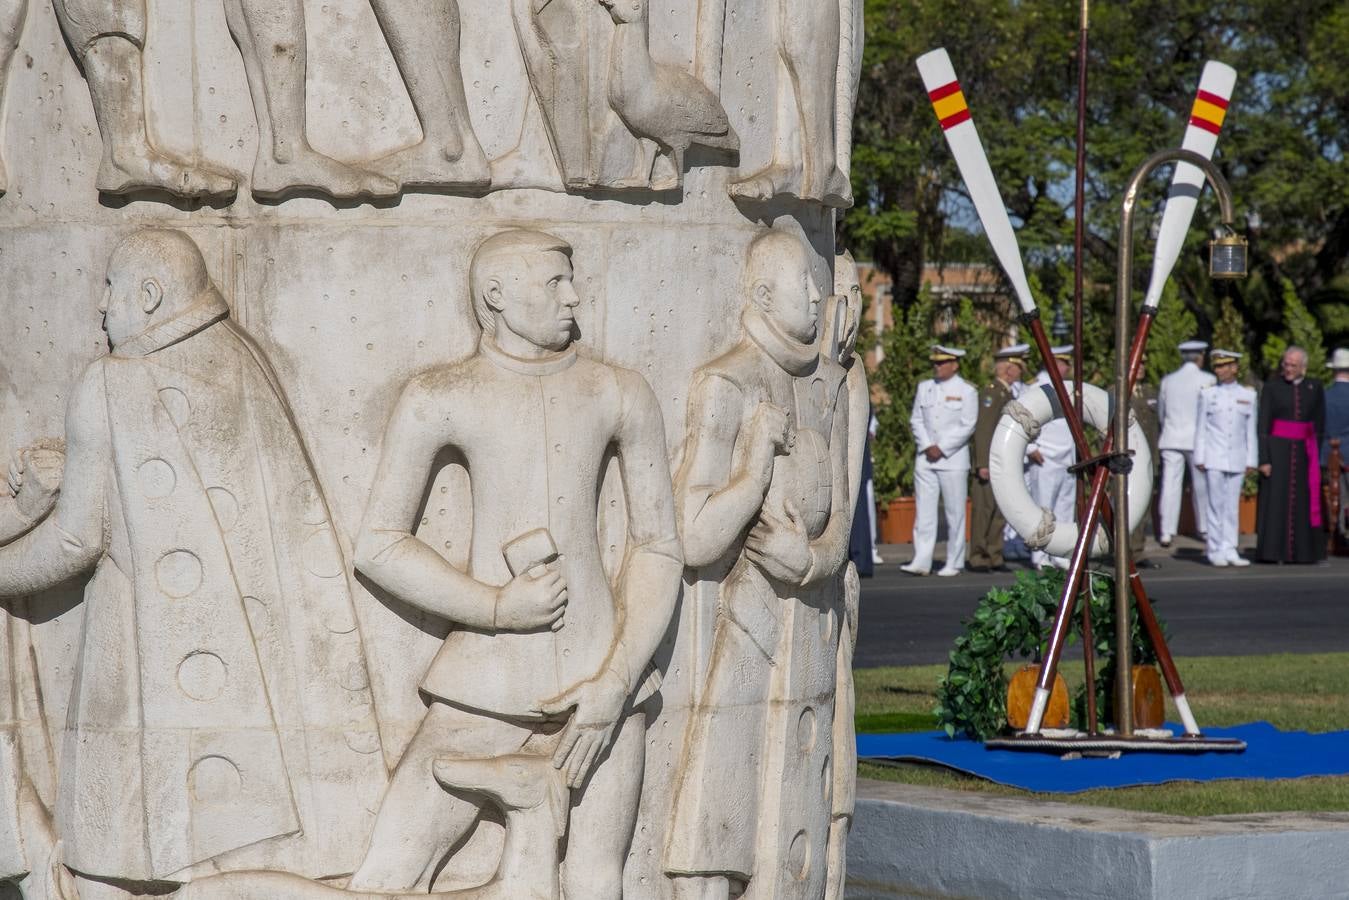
(429, 165)
(768, 183)
(140, 169)
(838, 190)
(312, 171)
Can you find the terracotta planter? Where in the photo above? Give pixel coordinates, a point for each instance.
(894, 521)
(1246, 515)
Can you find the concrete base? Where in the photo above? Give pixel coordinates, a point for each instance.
(910, 842)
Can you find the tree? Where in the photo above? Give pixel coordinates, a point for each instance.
(1174, 323)
(1282, 147)
(903, 365)
(1302, 331)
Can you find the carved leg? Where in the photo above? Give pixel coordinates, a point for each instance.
(271, 37)
(852, 30)
(807, 81)
(418, 819)
(12, 15)
(604, 815)
(108, 36)
(553, 42)
(424, 38)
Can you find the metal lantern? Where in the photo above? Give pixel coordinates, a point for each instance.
(1227, 258)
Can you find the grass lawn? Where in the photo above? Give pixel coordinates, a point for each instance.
(1309, 693)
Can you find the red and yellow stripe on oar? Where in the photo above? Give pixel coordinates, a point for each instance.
(948, 102)
(1208, 111)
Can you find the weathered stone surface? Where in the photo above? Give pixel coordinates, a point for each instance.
(329, 556)
(925, 842)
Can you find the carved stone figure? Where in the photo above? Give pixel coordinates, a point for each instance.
(27, 840)
(852, 37)
(805, 158)
(763, 496)
(12, 16)
(842, 324)
(221, 716)
(108, 38)
(547, 659)
(424, 38)
(663, 103)
(555, 41)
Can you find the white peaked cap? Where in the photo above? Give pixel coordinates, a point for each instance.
(1062, 350)
(1192, 346)
(941, 354)
(1016, 351)
(1219, 357)
(1339, 359)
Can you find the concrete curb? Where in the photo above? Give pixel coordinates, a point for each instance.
(910, 842)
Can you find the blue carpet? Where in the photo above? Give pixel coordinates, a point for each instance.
(1270, 753)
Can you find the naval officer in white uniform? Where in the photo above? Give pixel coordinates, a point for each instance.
(1177, 401)
(945, 410)
(1051, 485)
(1225, 450)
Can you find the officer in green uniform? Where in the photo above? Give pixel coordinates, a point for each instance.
(986, 521)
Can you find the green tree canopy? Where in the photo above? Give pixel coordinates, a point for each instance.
(1282, 147)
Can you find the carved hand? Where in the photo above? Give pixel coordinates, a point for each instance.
(532, 600)
(770, 436)
(35, 479)
(780, 546)
(598, 705)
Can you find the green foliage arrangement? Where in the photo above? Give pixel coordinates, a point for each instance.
(1015, 622)
(1175, 323)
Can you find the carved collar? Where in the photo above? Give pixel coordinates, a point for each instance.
(208, 309)
(792, 355)
(548, 365)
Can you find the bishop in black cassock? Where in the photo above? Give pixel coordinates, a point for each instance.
(1290, 517)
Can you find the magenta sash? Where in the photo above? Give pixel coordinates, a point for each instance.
(1305, 432)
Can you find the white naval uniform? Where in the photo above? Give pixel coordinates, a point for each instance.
(944, 413)
(1225, 445)
(1177, 402)
(1008, 532)
(1052, 486)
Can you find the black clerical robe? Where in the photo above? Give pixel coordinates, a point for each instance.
(1290, 515)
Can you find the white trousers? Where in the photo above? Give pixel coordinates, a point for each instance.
(1053, 488)
(1224, 503)
(1174, 464)
(951, 487)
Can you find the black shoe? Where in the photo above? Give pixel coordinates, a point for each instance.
(1002, 568)
(982, 570)
(1147, 564)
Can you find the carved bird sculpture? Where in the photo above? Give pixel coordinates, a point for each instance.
(657, 101)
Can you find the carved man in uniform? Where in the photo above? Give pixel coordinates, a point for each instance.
(764, 509)
(424, 38)
(219, 599)
(547, 659)
(108, 37)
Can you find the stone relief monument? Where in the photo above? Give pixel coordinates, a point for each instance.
(430, 449)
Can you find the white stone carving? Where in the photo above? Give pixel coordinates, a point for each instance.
(764, 495)
(219, 602)
(249, 610)
(660, 102)
(12, 16)
(805, 113)
(108, 36)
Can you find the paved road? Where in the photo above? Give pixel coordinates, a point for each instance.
(1209, 612)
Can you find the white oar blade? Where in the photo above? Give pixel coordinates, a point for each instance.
(948, 101)
(1201, 136)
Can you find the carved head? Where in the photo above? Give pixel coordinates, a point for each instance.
(522, 288)
(625, 12)
(780, 284)
(152, 276)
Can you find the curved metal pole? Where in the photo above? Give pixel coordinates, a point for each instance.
(1131, 363)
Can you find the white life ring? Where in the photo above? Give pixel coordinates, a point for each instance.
(1019, 426)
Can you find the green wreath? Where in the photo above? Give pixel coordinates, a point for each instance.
(1015, 622)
